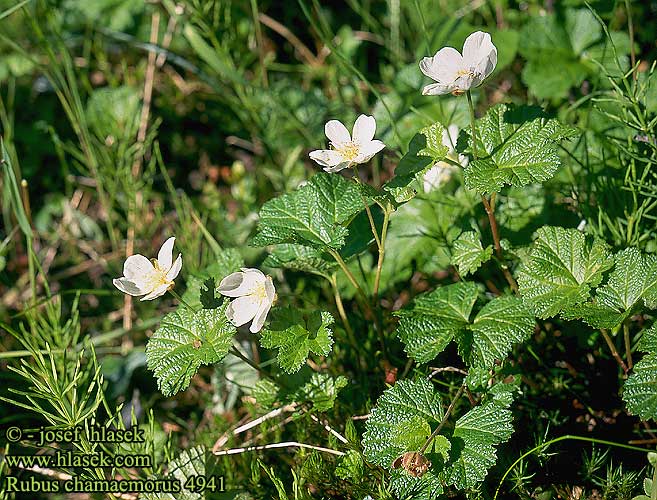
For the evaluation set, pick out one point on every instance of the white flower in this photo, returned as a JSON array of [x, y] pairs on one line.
[[255, 295], [150, 279], [457, 73], [346, 149], [442, 170]]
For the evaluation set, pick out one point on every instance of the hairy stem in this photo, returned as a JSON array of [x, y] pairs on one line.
[[444, 420], [613, 350], [628, 346], [382, 251], [368, 211], [350, 277], [341, 311], [473, 127], [489, 206]]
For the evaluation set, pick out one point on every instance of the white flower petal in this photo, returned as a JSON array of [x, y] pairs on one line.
[[240, 283], [257, 273], [242, 310], [336, 132], [338, 167], [364, 129], [175, 269], [368, 150], [465, 82], [326, 157], [450, 136], [270, 290], [137, 267], [127, 286], [480, 55], [165, 255], [157, 292], [435, 176], [476, 46], [443, 66], [260, 317], [437, 89]]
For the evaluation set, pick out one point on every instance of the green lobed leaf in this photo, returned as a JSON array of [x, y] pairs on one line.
[[640, 389], [633, 277], [516, 146], [410, 409], [561, 268], [312, 215], [648, 341], [405, 402], [427, 487], [473, 443], [411, 434], [321, 390], [468, 253], [438, 317], [583, 28], [299, 258], [546, 83], [434, 318], [502, 322], [186, 340], [305, 386], [434, 149], [296, 334], [556, 51]]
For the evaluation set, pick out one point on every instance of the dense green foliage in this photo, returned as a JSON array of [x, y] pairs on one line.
[[469, 313]]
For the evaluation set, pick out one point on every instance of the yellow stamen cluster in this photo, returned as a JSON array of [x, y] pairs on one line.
[[349, 150], [159, 277], [260, 292], [465, 72]]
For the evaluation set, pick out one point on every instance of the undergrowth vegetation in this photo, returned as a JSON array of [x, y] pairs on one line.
[[371, 249]]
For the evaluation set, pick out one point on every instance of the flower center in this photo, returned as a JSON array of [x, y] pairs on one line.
[[465, 72], [159, 277], [260, 292], [349, 150]]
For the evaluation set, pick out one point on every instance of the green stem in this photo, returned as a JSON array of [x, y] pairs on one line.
[[368, 211], [359, 291], [472, 125], [341, 311], [630, 28], [443, 421], [613, 350], [628, 345], [489, 206], [565, 438], [235, 352], [181, 300], [350, 276], [382, 251]]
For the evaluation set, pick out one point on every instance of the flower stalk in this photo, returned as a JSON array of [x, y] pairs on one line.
[[489, 206], [444, 420]]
